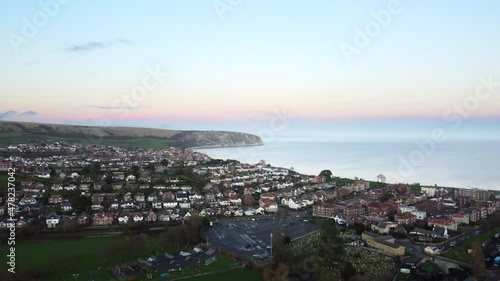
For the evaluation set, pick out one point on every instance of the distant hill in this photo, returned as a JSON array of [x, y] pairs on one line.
[[21, 132]]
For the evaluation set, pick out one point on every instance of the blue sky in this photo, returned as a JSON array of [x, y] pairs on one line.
[[235, 69]]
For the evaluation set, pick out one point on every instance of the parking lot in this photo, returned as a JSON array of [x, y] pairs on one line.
[[251, 238]]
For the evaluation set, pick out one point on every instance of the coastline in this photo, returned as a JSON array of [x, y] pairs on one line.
[[224, 146], [365, 160]]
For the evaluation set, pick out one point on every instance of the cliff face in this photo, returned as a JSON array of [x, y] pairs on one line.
[[215, 139], [175, 137]]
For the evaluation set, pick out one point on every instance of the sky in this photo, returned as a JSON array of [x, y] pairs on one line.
[[315, 68]]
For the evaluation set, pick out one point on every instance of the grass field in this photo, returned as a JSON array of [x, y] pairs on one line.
[[142, 142], [459, 253], [33, 256], [4, 177]]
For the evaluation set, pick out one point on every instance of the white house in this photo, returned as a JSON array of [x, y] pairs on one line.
[[238, 212], [259, 211], [170, 204], [66, 207], [138, 217], [249, 212], [70, 187], [185, 204], [235, 201], [52, 220], [224, 201]]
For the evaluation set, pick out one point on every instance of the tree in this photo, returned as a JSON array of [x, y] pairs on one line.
[[476, 261], [81, 203], [164, 239], [52, 172], [359, 228], [386, 197], [248, 200], [326, 173], [331, 246], [164, 162], [135, 171], [278, 274], [205, 222], [348, 271], [69, 226], [151, 167]]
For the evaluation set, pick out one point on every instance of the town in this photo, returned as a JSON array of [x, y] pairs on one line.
[[66, 188]]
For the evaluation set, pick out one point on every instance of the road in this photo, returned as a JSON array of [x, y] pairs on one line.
[[418, 249]]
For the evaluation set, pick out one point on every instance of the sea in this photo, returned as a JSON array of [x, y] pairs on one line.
[[453, 163]]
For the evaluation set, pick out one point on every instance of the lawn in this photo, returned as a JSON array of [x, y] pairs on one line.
[[93, 265], [4, 177], [33, 256], [459, 253], [146, 143], [430, 267]]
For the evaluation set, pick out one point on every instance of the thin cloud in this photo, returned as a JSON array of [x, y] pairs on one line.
[[7, 114], [29, 113], [96, 45], [113, 107]]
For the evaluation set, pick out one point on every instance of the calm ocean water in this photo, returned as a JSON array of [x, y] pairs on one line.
[[458, 163]]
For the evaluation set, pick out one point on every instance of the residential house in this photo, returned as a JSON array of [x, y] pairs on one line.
[[140, 197], [164, 216], [52, 220], [443, 222], [103, 219], [82, 219], [138, 217], [269, 205], [152, 197], [66, 207], [127, 197], [185, 204], [124, 218], [384, 227], [249, 212], [97, 198], [170, 204], [55, 199], [405, 218], [354, 211], [325, 210], [461, 218], [157, 204]]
